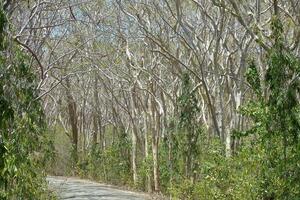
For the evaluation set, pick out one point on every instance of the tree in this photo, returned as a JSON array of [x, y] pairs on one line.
[[189, 126], [276, 119], [22, 125]]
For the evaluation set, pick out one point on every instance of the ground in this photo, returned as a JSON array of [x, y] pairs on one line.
[[78, 189]]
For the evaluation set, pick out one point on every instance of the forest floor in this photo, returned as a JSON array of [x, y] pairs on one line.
[[75, 189]]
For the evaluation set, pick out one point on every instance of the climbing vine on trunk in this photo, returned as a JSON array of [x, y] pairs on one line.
[[276, 119]]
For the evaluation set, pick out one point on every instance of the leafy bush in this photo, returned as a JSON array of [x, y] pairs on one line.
[[22, 141], [108, 164]]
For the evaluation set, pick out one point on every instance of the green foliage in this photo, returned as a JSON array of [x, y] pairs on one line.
[[22, 142], [187, 103], [253, 79], [186, 138], [108, 164], [144, 170], [60, 162], [276, 122], [22, 129], [3, 22], [220, 177]]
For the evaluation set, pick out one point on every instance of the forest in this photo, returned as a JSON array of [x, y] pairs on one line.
[[184, 99]]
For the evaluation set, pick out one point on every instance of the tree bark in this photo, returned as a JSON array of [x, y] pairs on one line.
[[155, 140], [95, 111], [73, 119]]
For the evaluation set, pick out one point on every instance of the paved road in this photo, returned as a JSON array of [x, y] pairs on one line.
[[77, 189]]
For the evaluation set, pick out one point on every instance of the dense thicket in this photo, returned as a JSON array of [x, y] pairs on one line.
[[22, 124]]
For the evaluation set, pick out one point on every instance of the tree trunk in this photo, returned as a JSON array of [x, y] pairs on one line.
[[155, 164], [73, 119], [134, 151], [95, 111], [134, 136], [148, 179], [228, 144], [155, 126]]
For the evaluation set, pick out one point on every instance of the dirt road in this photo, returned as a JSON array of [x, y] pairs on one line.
[[78, 189]]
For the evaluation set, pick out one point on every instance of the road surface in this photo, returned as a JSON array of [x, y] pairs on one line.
[[78, 189]]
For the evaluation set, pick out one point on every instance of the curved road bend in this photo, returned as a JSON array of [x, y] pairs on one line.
[[78, 189]]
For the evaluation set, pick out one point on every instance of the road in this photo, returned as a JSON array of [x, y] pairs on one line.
[[78, 189]]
